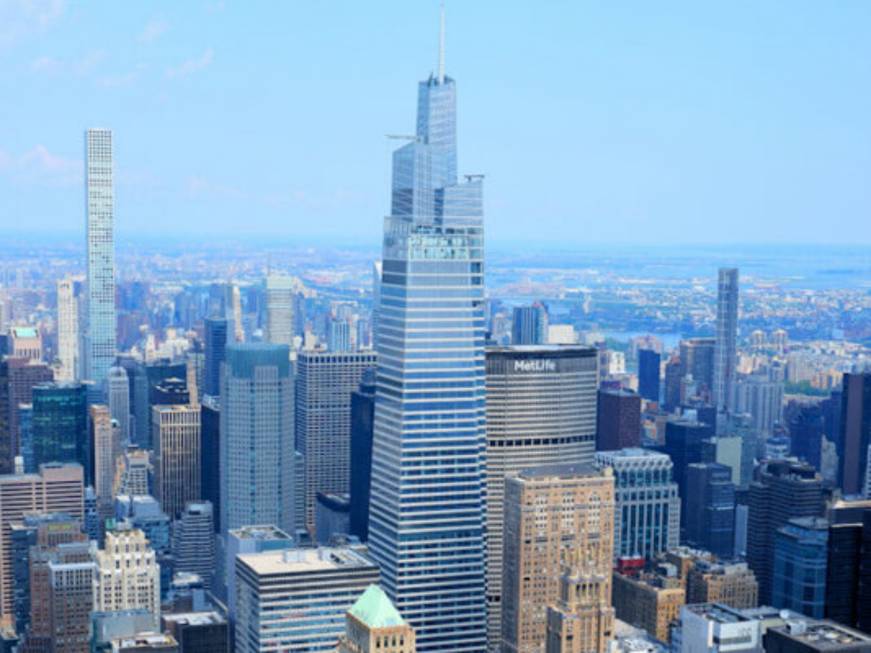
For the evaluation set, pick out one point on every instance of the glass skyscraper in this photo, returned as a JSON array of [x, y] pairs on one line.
[[725, 356], [100, 210], [426, 525]]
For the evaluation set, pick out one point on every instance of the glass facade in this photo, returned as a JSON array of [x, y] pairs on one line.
[[100, 209], [426, 525], [800, 562], [59, 426]]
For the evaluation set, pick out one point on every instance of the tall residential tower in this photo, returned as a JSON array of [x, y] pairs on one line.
[[426, 525], [725, 352], [100, 211]]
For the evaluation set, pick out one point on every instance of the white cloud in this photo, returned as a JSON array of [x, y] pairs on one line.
[[21, 18], [80, 66], [154, 29], [192, 66], [41, 167]]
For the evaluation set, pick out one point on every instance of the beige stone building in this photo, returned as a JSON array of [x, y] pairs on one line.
[[649, 600], [558, 548], [127, 576], [732, 584], [177, 456]]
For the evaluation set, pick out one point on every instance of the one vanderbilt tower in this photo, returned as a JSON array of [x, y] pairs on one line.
[[426, 526]]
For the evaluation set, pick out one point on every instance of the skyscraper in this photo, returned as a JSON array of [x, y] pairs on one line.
[[683, 444], [362, 416], [647, 514], [725, 350], [127, 575], [106, 446], [782, 490], [70, 300], [193, 541], [710, 503], [324, 383], [541, 410], [648, 374], [100, 209], [559, 535], [119, 401], [855, 433], [697, 360], [177, 456], [800, 558], [210, 456], [618, 421], [17, 380], [279, 310], [60, 426], [426, 524], [216, 346], [257, 450], [374, 624], [529, 325]]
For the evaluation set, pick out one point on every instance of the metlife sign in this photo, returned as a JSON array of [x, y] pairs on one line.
[[535, 365]]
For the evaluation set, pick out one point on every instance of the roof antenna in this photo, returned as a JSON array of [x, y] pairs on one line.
[[442, 44]]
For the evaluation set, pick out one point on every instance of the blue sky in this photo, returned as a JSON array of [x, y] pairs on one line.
[[594, 122]]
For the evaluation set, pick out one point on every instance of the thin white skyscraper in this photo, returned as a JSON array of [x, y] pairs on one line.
[[119, 401], [279, 310], [725, 348], [100, 211], [70, 291]]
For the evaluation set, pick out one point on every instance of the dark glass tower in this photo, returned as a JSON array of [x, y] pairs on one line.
[[362, 418], [855, 433], [60, 426], [710, 501], [426, 520], [216, 346], [648, 374]]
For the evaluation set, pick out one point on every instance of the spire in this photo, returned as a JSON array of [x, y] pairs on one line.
[[442, 43]]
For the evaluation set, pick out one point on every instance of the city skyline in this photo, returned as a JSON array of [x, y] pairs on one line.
[[713, 127]]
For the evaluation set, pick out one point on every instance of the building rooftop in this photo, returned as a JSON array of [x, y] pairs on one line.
[[823, 635], [260, 532], [304, 561], [561, 470], [632, 452], [196, 618], [717, 612], [24, 332], [376, 610], [541, 351]]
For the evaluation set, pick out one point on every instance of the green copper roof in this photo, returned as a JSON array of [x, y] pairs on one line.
[[375, 610]]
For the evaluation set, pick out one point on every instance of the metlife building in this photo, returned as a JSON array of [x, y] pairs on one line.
[[541, 410]]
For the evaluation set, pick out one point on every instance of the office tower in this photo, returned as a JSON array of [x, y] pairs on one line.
[[127, 576], [683, 444], [729, 583], [541, 406], [431, 387], [697, 361], [332, 516], [56, 488], [854, 436], [215, 329], [144, 513], [552, 514], [618, 424], [324, 383], [119, 401], [248, 539], [338, 335], [782, 490], [725, 351], [61, 591], [106, 443], [193, 544], [46, 530], [198, 632], [815, 636], [648, 374], [799, 570], [864, 590], [210, 456], [134, 473], [374, 624], [362, 418], [806, 429], [648, 600], [146, 380], [17, 379], [296, 599], [673, 376], [761, 397], [647, 514], [25, 342], [60, 425], [529, 325], [70, 305], [176, 456], [100, 209], [845, 560], [279, 310], [710, 504], [583, 619], [257, 437], [716, 628]]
